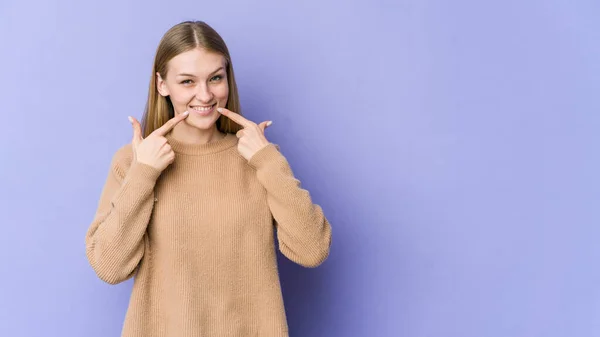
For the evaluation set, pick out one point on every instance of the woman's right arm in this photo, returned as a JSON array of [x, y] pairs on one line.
[[116, 239], [117, 236]]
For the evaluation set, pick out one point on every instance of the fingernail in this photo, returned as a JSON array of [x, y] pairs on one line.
[[185, 113], [269, 123], [219, 109], [130, 119]]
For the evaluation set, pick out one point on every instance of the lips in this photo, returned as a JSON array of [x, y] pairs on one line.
[[203, 110]]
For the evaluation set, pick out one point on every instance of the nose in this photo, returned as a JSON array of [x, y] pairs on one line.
[[203, 94]]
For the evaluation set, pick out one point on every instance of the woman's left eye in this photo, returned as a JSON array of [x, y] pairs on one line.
[[216, 78]]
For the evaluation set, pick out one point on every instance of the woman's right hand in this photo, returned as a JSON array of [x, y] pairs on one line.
[[154, 150]]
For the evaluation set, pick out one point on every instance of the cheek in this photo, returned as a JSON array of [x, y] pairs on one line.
[[181, 95], [222, 91]]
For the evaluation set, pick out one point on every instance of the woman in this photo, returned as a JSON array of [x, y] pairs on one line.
[[190, 206]]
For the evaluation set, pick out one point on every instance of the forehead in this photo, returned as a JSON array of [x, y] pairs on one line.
[[197, 61]]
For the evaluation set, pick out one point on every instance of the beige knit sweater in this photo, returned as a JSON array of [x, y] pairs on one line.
[[198, 239]]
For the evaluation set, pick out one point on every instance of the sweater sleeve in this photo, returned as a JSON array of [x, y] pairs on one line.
[[117, 236], [303, 232]]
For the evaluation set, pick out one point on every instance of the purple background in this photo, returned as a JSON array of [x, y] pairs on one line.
[[452, 145]]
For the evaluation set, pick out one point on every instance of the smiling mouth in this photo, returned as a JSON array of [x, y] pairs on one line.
[[203, 109]]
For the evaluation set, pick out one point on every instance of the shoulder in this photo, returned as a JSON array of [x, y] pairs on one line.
[[121, 160]]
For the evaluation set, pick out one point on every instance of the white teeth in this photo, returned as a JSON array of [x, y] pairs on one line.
[[198, 108]]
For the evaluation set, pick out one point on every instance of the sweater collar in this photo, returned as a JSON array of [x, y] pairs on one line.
[[227, 142]]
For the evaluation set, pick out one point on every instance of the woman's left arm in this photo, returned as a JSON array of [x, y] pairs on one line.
[[303, 231]]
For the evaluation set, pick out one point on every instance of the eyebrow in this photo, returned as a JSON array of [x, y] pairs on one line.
[[190, 75]]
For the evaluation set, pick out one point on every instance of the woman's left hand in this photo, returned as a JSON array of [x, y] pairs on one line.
[[251, 137]]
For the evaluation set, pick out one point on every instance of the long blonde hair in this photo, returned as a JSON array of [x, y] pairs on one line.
[[180, 38]]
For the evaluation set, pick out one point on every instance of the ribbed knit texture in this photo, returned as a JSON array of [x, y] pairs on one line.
[[198, 239]]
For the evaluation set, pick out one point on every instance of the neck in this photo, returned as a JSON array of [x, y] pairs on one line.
[[191, 135]]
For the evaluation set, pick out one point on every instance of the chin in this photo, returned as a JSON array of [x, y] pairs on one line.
[[201, 124]]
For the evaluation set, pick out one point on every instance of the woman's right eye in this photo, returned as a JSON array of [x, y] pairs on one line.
[[186, 81]]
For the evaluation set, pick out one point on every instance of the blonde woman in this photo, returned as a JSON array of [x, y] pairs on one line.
[[191, 205]]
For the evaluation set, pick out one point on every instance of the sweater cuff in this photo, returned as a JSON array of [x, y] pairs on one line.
[[143, 172], [264, 156]]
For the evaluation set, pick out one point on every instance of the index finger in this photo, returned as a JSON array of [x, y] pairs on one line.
[[235, 117], [170, 124]]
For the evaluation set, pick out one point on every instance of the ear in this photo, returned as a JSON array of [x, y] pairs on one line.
[[161, 86]]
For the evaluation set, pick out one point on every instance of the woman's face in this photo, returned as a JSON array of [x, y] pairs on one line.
[[196, 81]]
